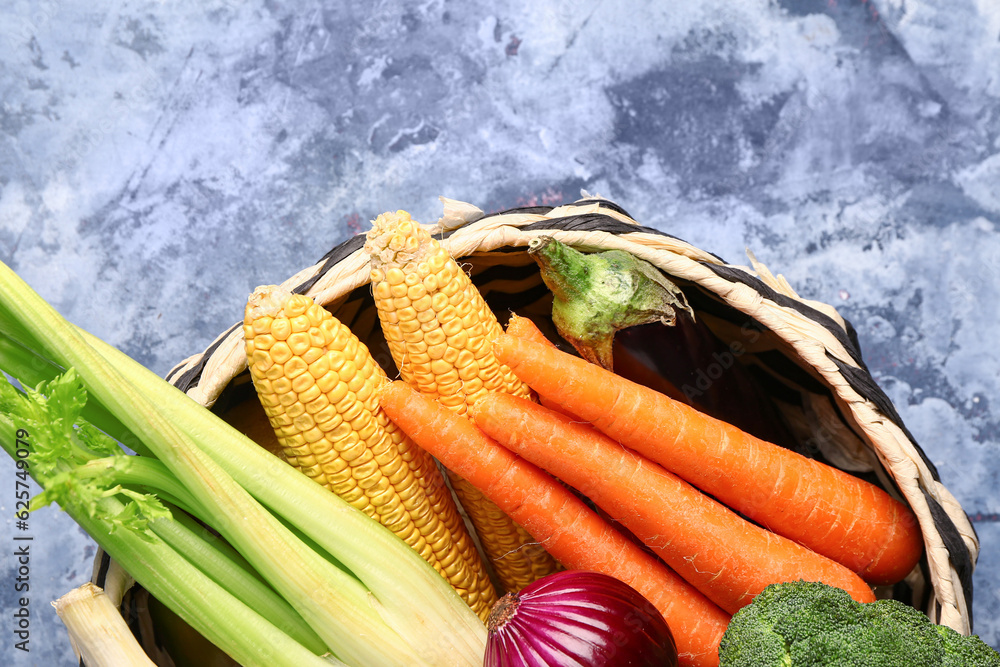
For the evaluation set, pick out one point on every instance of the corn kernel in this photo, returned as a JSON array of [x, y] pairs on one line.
[[299, 343], [316, 314], [281, 329], [281, 385], [312, 354], [394, 276], [304, 422], [303, 382], [295, 367], [310, 394], [325, 415], [263, 341], [314, 406], [261, 360], [280, 352], [261, 325]]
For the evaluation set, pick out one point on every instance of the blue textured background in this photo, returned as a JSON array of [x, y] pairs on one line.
[[159, 160]]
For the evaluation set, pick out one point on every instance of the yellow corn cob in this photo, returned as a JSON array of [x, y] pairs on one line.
[[318, 384], [440, 331]]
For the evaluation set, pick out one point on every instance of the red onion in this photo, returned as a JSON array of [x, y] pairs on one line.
[[578, 619]]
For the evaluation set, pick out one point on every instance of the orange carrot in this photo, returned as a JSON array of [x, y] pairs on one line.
[[831, 512], [724, 556], [571, 532], [522, 327], [627, 364]]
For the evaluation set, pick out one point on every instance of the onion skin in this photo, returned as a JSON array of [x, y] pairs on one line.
[[578, 619]]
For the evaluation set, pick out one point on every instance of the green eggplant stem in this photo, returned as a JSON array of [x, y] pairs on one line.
[[595, 295]]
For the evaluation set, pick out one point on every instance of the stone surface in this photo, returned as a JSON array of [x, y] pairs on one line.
[[159, 160]]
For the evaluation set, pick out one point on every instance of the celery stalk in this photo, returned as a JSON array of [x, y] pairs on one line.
[[146, 473], [405, 613], [223, 566], [207, 552], [203, 549], [222, 619], [97, 630], [330, 601], [30, 369]]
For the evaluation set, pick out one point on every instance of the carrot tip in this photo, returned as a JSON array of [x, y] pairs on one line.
[[501, 344], [477, 407], [386, 391]]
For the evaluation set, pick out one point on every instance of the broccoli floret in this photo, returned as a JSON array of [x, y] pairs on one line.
[[808, 624], [961, 650]]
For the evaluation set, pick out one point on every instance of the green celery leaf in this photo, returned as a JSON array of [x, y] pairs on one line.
[[48, 413], [139, 512], [74, 462], [70, 490], [84, 487], [62, 397], [97, 441]]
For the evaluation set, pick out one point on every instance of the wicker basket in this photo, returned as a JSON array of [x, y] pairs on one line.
[[805, 353]]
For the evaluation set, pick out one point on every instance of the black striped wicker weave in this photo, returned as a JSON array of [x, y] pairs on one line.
[[804, 353]]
